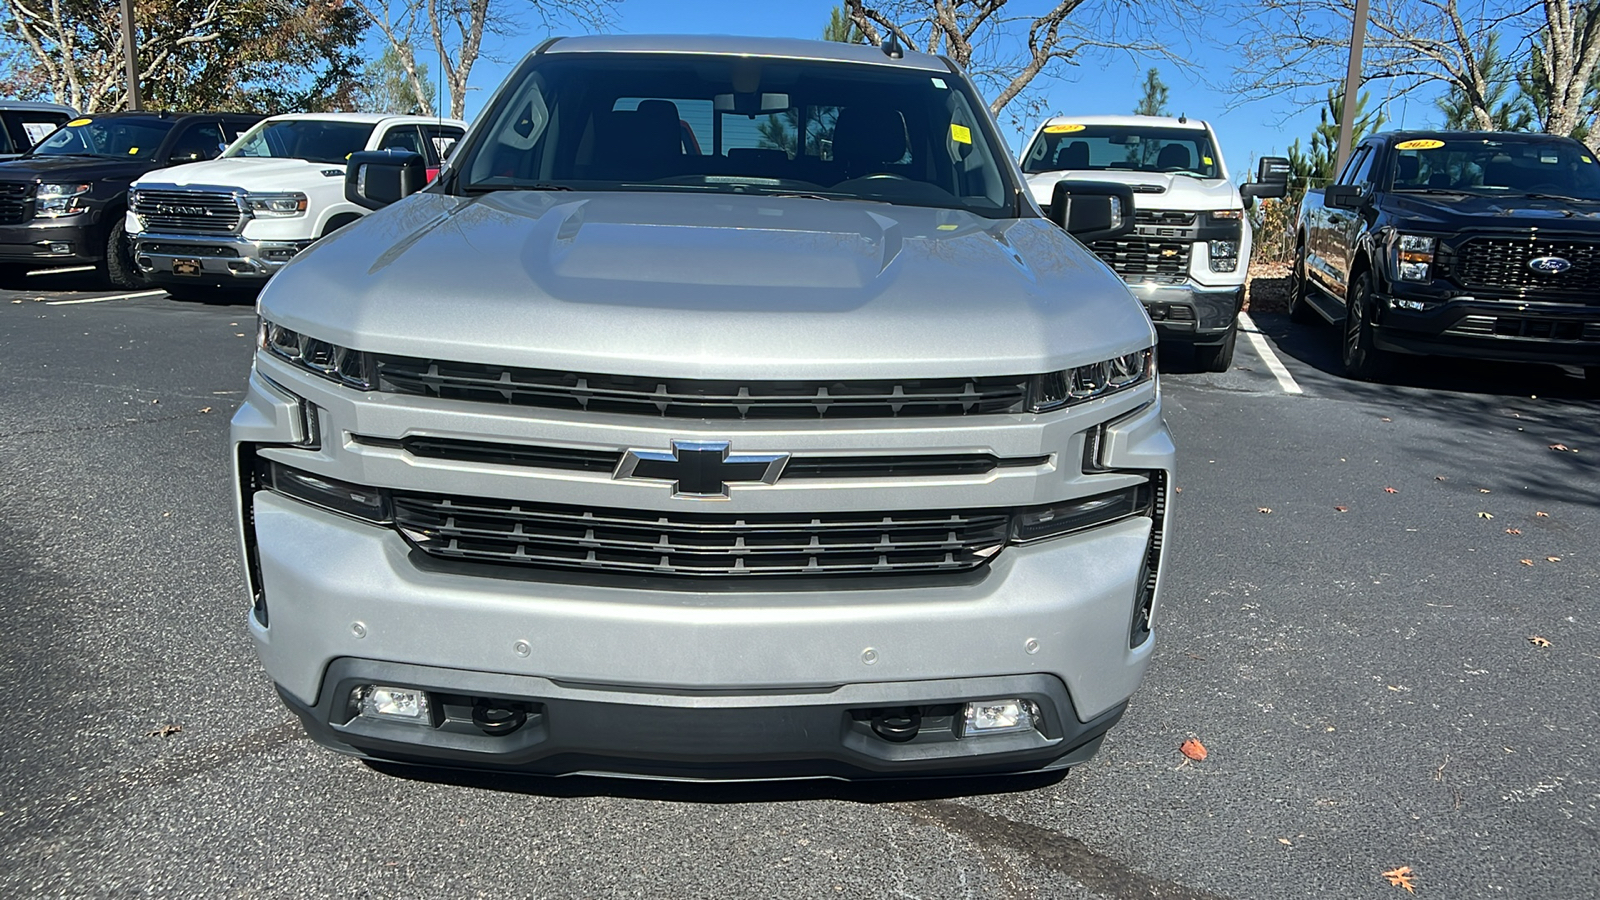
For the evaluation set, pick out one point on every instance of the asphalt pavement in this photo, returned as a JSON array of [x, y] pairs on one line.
[[1359, 574]]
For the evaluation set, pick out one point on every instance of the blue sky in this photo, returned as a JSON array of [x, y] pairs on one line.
[[1110, 85]]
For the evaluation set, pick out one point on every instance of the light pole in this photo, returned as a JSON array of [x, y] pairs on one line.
[[131, 54], [1352, 87]]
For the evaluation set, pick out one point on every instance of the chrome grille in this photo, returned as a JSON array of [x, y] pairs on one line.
[[700, 399], [1135, 257], [1500, 266], [16, 202], [187, 212], [637, 542]]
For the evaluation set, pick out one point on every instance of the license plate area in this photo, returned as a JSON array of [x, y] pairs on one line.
[[186, 267]]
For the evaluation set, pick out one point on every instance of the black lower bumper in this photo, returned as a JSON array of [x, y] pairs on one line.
[[1561, 334], [1187, 314], [42, 243], [587, 729]]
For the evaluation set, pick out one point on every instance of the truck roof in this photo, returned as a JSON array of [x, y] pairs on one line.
[[1508, 136], [35, 106], [1158, 121], [364, 118], [730, 45]]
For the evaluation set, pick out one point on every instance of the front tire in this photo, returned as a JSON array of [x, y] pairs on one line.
[[1362, 359], [1300, 311], [1217, 357], [119, 267]]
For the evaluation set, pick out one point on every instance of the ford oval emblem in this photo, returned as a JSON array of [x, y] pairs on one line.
[[1550, 264]]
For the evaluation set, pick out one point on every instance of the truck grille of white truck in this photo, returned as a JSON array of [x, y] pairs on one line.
[[701, 399], [1139, 259], [699, 544], [187, 212]]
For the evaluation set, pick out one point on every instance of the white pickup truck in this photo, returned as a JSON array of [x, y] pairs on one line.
[[235, 220], [1188, 257]]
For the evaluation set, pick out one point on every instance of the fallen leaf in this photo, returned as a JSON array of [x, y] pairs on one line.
[[1513, 531], [1440, 478], [1341, 509], [1538, 641], [1562, 448], [1526, 562], [1177, 490], [157, 400], [1483, 490], [1484, 515], [1386, 419], [1285, 842], [1193, 749], [1264, 509], [1390, 490], [1401, 877], [1541, 515], [165, 731], [1552, 559], [205, 409]]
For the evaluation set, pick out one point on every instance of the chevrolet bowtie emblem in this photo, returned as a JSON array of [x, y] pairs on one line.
[[701, 470], [1169, 253]]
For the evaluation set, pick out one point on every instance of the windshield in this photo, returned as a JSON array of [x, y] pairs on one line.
[[741, 125], [1480, 166], [1134, 148], [132, 138], [317, 140]]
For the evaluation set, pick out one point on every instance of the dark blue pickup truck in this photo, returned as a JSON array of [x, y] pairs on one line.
[[1474, 244]]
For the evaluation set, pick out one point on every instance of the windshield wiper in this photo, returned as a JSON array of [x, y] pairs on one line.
[[1562, 197]]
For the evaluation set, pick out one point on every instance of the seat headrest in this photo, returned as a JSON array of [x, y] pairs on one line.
[[1173, 156], [1074, 155], [869, 136]]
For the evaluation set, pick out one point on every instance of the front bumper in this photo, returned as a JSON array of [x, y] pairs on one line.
[[1506, 330], [52, 242], [1190, 313], [222, 258]]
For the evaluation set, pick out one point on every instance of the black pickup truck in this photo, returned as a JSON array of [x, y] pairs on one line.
[[62, 204], [1474, 244]]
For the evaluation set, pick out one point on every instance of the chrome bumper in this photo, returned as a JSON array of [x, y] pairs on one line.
[[224, 256]]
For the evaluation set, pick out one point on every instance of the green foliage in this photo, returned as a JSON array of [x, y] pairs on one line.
[[1314, 167], [1513, 113], [385, 88], [840, 29], [1536, 94], [1154, 101]]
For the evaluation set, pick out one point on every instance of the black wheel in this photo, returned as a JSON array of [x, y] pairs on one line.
[[13, 275], [1300, 311], [118, 267], [1363, 360], [1217, 357]]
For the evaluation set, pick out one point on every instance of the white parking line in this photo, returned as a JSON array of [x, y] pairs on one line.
[[1258, 342], [104, 299]]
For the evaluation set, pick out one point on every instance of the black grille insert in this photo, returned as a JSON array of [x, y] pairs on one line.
[[1135, 257], [1500, 266], [700, 399], [16, 202], [699, 544]]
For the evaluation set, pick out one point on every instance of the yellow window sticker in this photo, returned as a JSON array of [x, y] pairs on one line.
[[961, 134], [1419, 144], [1206, 159], [948, 227], [76, 122], [132, 150], [1063, 129], [1586, 159]]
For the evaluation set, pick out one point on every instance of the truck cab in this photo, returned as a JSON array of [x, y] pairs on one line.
[[1474, 244], [232, 222], [1188, 258]]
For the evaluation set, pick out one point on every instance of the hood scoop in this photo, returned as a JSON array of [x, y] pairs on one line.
[[1149, 189]]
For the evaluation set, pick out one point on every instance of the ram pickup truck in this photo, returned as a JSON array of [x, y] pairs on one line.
[[1482, 245], [234, 221], [806, 447], [62, 203], [1189, 256]]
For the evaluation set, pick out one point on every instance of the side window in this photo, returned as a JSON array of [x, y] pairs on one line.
[[1363, 174], [440, 138], [202, 140], [403, 137], [29, 128], [232, 130], [1357, 157]]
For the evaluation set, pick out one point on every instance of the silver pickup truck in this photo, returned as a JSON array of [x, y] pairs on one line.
[[726, 408]]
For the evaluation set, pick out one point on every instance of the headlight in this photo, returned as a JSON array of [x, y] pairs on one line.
[[1224, 256], [1414, 257], [1059, 389], [366, 503], [1227, 215], [276, 206], [1057, 519], [56, 200], [348, 367]]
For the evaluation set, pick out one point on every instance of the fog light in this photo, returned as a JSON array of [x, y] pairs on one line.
[[60, 247], [1413, 305], [999, 717], [394, 703]]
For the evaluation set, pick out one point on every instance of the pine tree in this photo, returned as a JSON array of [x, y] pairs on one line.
[[1505, 114], [1315, 168], [1154, 102], [841, 30]]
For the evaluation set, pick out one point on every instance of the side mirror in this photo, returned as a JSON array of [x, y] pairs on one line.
[[376, 178], [1092, 210], [1272, 180], [1343, 196]]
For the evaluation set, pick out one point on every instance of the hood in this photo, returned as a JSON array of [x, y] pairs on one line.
[[1180, 192], [71, 168], [1464, 212], [250, 173], [709, 286]]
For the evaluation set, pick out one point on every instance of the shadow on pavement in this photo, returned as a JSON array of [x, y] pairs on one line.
[[898, 791]]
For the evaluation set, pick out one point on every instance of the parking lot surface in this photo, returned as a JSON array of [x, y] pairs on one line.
[[1359, 576]]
